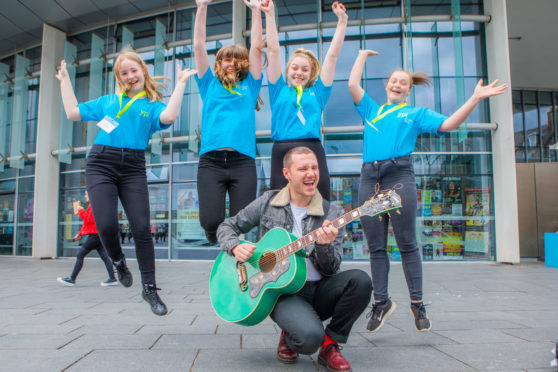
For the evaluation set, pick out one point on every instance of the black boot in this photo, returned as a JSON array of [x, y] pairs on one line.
[[124, 274], [149, 294]]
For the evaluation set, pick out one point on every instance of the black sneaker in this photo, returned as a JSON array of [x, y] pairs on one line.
[[149, 294], [66, 281], [124, 274], [379, 313], [422, 323]]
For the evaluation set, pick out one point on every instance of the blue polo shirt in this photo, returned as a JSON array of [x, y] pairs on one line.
[[228, 120], [135, 126], [285, 122], [396, 133]]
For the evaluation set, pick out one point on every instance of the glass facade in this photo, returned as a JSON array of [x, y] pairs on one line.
[[455, 217], [535, 124]]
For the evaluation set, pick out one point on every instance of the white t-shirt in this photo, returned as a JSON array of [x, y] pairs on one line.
[[298, 215]]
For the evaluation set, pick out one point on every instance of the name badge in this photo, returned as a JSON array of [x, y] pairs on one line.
[[301, 117], [108, 124]]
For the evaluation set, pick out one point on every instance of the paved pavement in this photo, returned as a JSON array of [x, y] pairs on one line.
[[486, 317]]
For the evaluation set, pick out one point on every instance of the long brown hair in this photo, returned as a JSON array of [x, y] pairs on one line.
[[315, 66], [241, 64], [152, 87]]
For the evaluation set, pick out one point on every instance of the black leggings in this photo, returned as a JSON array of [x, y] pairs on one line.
[[280, 148], [220, 172], [113, 173], [92, 243]]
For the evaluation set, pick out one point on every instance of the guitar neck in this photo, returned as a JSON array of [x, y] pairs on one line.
[[311, 237]]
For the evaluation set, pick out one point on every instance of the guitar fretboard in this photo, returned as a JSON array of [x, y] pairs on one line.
[[311, 237]]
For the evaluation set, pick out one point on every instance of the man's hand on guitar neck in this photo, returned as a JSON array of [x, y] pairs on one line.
[[327, 233], [243, 251]]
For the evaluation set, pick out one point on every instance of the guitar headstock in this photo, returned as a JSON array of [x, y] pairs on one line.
[[383, 202]]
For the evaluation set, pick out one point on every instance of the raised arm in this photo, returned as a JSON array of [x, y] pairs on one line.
[[170, 113], [328, 67], [273, 48], [200, 53], [481, 92], [356, 75], [255, 56], [69, 99]]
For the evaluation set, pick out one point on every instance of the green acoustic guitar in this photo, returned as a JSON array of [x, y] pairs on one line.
[[245, 293]]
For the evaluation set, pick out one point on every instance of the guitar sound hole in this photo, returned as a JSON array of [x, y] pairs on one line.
[[267, 262]]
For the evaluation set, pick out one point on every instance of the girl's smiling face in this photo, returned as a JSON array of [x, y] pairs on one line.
[[132, 75], [299, 71], [398, 87]]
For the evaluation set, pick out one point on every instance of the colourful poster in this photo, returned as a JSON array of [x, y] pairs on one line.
[[477, 205]]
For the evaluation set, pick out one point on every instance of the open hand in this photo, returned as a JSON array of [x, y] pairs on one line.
[[327, 233], [267, 6], [484, 91], [183, 75], [243, 251], [62, 71], [340, 11]]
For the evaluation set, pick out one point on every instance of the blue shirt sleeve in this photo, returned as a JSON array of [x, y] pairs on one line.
[[367, 107], [255, 85], [322, 92], [204, 81], [430, 121], [157, 110], [92, 110], [275, 89]]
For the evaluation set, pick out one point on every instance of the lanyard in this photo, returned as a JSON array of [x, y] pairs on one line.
[[229, 88], [298, 95], [123, 110], [380, 116]]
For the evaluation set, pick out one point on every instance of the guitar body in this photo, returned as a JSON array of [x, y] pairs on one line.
[[253, 305]]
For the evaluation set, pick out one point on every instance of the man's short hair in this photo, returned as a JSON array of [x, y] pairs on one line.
[[287, 159]]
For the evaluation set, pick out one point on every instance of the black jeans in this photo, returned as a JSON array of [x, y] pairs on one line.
[[220, 172], [280, 148], [341, 297], [389, 173], [92, 243], [113, 173]]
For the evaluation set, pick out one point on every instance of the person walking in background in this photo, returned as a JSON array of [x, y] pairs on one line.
[[390, 135], [115, 167], [297, 104], [92, 243], [228, 126]]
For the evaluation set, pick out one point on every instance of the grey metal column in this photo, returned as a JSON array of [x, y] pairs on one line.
[[503, 150], [47, 168], [238, 22]]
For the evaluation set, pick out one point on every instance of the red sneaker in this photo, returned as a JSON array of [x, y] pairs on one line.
[[331, 357], [284, 354]]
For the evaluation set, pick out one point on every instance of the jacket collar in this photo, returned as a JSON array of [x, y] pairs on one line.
[[283, 198]]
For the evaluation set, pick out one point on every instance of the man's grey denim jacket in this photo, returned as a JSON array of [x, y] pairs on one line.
[[272, 209]]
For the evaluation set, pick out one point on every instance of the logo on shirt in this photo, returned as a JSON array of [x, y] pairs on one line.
[[144, 114], [404, 116]]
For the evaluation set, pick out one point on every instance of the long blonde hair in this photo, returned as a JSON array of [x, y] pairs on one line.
[[152, 87], [315, 66]]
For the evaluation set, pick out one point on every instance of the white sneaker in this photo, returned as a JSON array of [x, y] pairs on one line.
[[109, 282]]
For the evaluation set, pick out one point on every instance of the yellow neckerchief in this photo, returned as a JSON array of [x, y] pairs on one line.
[[380, 116], [299, 89], [229, 88], [123, 110]]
